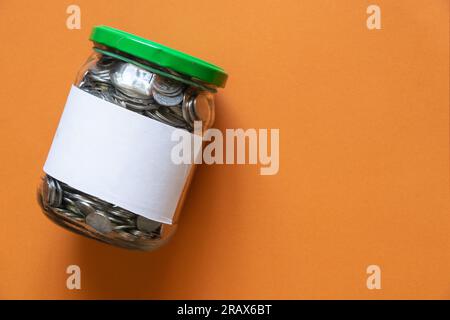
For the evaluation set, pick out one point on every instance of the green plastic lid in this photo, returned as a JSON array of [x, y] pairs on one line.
[[159, 54]]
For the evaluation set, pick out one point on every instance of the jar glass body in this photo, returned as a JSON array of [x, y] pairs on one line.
[[152, 91]]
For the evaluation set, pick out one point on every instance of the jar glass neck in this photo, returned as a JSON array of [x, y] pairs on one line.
[[153, 68]]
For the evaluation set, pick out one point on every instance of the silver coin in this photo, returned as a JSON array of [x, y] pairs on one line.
[[140, 107], [99, 222], [84, 207], [67, 214], [45, 191], [58, 194], [185, 106], [176, 110], [74, 210], [203, 110], [167, 101], [127, 235], [123, 227], [51, 191], [61, 211], [116, 220], [100, 77], [68, 202], [131, 79], [171, 93], [190, 108], [146, 225], [170, 118], [80, 197], [121, 213], [166, 85], [139, 233], [122, 95]]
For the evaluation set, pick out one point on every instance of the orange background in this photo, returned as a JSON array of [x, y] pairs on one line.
[[364, 152]]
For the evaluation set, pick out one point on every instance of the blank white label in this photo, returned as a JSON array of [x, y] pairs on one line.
[[118, 156]]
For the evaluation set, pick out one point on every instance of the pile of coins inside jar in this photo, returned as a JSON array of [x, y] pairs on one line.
[[102, 220], [152, 95], [161, 98]]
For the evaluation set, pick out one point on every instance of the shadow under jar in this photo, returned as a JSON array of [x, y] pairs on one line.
[[110, 174]]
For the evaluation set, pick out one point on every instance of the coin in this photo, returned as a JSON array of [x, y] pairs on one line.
[[101, 76], [51, 191], [78, 196], [166, 86], [121, 213], [45, 191], [146, 225], [58, 194], [203, 109], [136, 82], [166, 100], [169, 119], [127, 235], [190, 108], [139, 233], [185, 108], [84, 207], [99, 222]]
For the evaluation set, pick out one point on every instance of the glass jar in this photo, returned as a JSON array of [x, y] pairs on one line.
[[110, 173]]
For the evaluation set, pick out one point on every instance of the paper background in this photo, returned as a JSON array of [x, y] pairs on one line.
[[364, 151]]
